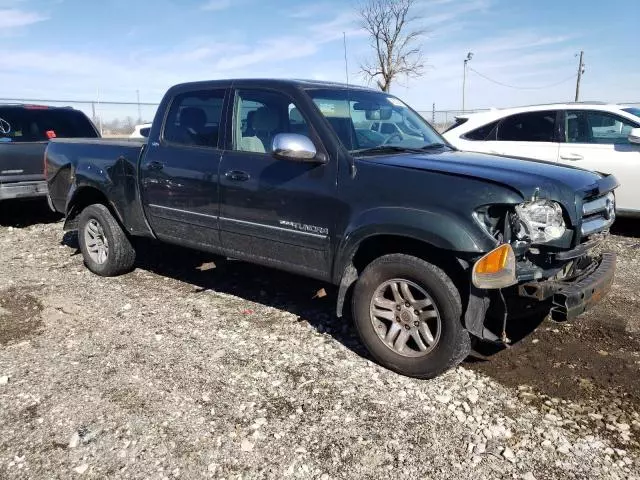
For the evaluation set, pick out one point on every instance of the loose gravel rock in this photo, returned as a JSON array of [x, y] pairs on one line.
[[238, 372]]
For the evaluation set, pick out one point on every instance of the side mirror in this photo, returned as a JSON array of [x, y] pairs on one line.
[[295, 147], [634, 136], [145, 132]]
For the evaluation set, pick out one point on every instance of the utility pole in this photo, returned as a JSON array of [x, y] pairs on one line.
[[580, 72], [464, 77], [139, 110], [99, 116]]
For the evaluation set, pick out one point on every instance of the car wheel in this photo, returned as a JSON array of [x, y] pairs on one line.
[[106, 249], [408, 314]]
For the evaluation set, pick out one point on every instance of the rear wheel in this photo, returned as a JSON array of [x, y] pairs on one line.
[[106, 249], [408, 314]]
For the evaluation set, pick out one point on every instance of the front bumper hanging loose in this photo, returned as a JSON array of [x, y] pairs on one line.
[[573, 297]]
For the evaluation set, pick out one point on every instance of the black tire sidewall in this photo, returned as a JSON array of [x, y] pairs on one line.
[[101, 214], [454, 340]]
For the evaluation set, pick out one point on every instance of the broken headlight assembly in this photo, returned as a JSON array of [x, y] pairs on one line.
[[539, 221]]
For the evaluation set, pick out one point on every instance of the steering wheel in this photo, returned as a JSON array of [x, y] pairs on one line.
[[391, 137], [5, 127]]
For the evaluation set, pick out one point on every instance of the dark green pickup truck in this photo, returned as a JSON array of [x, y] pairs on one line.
[[290, 174]]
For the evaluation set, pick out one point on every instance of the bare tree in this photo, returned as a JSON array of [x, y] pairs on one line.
[[394, 39]]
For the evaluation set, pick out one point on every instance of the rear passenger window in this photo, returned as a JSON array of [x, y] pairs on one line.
[[485, 132], [39, 124], [583, 126], [194, 118], [458, 121], [528, 127]]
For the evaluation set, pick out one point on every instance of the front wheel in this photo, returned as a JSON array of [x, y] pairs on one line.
[[105, 247], [408, 314]]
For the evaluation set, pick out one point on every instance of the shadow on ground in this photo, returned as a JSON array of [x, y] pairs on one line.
[[626, 227], [25, 213], [582, 359], [267, 286]]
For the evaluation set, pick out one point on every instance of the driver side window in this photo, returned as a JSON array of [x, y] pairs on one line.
[[260, 115]]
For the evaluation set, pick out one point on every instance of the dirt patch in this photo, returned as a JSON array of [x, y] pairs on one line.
[[582, 360], [176, 371], [19, 315], [590, 366]]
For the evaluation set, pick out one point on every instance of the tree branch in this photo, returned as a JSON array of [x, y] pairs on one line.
[[394, 40]]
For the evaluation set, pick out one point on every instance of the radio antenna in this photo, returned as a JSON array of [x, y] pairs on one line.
[[346, 63], [346, 73]]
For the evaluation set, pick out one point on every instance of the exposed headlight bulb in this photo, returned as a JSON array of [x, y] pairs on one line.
[[541, 221]]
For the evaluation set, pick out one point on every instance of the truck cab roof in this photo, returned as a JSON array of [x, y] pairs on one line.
[[270, 82]]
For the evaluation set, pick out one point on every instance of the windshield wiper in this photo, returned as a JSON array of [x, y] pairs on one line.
[[399, 149], [433, 146], [385, 149]]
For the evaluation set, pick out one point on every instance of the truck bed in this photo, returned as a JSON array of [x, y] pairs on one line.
[[111, 163]]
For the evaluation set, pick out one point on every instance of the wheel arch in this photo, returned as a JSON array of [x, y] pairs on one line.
[[376, 245], [80, 198]]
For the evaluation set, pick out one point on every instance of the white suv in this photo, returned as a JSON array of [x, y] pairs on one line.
[[595, 136]]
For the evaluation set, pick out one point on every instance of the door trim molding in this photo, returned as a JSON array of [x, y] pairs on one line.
[[273, 228], [242, 222], [190, 212]]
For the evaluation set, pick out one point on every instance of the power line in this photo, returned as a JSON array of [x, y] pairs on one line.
[[522, 88]]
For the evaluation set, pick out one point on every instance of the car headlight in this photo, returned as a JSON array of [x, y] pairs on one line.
[[541, 221]]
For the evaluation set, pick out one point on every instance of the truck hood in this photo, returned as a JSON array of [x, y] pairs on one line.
[[554, 181]]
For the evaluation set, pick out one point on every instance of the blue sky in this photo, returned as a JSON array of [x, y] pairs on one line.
[[71, 49]]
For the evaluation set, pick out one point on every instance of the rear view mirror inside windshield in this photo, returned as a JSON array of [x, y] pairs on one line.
[[374, 111]]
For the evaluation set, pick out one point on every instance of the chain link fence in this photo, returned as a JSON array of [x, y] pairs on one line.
[[115, 119], [443, 119]]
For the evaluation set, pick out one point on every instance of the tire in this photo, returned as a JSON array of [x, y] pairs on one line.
[[96, 227], [426, 283]]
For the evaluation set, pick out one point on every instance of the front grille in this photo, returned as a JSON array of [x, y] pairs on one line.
[[598, 214]]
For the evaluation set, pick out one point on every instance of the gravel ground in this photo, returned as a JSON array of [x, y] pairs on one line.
[[234, 371]]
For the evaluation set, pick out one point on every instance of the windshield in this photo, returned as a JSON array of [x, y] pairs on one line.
[[633, 111], [367, 120]]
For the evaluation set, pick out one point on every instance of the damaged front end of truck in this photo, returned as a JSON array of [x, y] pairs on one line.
[[548, 259]]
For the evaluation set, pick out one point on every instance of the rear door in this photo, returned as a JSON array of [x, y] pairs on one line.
[[274, 211], [531, 134], [24, 133], [598, 140], [179, 173]]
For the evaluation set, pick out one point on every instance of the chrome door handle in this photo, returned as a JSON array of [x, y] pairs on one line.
[[237, 175], [153, 165], [573, 157]]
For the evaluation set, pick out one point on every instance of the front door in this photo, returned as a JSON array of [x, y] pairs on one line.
[[529, 134], [179, 173], [274, 211], [599, 141]]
